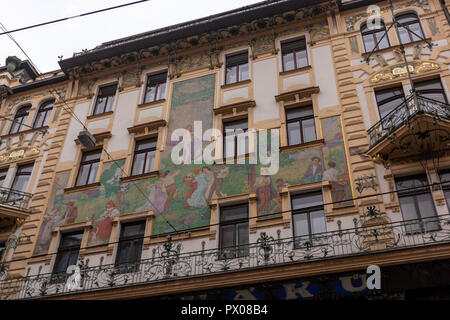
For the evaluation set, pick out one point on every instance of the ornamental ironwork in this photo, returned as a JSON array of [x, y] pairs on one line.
[[15, 199], [168, 262], [403, 114]]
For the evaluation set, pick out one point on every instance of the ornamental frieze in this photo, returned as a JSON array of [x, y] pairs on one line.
[[60, 94], [399, 70], [18, 154]]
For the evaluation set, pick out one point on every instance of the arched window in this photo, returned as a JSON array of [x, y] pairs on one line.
[[409, 28], [19, 119], [43, 114], [371, 36]]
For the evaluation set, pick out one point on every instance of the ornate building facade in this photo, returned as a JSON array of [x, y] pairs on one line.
[[95, 207]]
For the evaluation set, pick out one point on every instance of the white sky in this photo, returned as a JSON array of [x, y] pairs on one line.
[[44, 44]]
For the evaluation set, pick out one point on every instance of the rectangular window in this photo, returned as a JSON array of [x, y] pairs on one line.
[[69, 248], [389, 99], [308, 217], [236, 69], [144, 157], [294, 54], [444, 176], [3, 173], [431, 89], [2, 250], [300, 125], [105, 99], [130, 246], [416, 204], [22, 177], [156, 87], [234, 232], [235, 138], [87, 173]]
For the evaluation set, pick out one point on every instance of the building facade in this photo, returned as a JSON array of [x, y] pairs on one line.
[[353, 171]]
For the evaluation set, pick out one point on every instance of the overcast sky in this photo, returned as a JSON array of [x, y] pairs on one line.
[[44, 44]]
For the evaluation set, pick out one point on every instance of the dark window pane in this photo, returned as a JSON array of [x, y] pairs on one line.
[[307, 200], [299, 113], [301, 224], [233, 213], [231, 74], [309, 130], [3, 174], [243, 72], [138, 165], [161, 91], [318, 224], [227, 236]]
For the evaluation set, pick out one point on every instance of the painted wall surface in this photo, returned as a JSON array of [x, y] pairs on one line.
[[324, 74], [181, 193], [266, 88]]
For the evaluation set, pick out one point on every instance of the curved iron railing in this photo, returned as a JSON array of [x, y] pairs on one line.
[[413, 105], [169, 263], [15, 199]]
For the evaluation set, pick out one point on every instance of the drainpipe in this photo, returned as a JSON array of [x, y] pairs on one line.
[[447, 15]]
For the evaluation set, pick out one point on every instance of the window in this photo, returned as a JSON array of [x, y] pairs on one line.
[[144, 157], [372, 36], [130, 246], [69, 248], [105, 99], [235, 140], [294, 54], [20, 119], [308, 218], [300, 125], [409, 28], [234, 232], [431, 89], [87, 173], [389, 99], [156, 87], [2, 250], [3, 173], [236, 69], [416, 203], [22, 177], [43, 114], [444, 176]]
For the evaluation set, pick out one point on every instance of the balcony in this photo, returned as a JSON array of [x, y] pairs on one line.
[[417, 126], [168, 262], [13, 205]]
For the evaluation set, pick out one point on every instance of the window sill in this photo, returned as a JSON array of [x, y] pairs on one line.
[[140, 176], [302, 145], [151, 103], [9, 135], [305, 68], [82, 188], [235, 84], [100, 115]]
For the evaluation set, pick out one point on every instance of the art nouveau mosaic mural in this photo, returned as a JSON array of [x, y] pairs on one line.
[[181, 193]]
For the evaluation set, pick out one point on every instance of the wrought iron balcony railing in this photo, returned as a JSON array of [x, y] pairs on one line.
[[413, 105], [15, 199], [169, 263]]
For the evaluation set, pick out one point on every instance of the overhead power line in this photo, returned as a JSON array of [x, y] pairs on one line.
[[73, 17]]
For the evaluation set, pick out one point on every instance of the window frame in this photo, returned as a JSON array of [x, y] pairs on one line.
[[306, 211], [62, 276], [157, 84], [239, 250], [2, 250], [130, 266], [237, 65], [43, 108], [148, 150], [300, 120], [235, 140], [382, 102], [3, 178], [368, 32], [407, 24], [441, 90], [414, 194], [94, 109], [25, 109], [89, 162], [294, 51]]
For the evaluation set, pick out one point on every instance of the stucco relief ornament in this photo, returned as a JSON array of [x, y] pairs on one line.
[[17, 154], [400, 71]]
